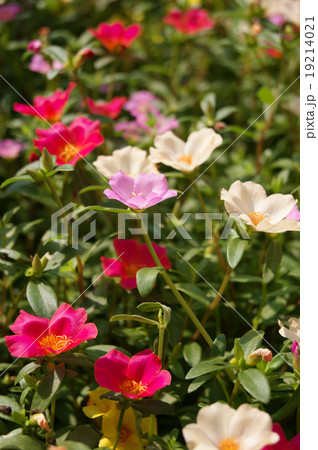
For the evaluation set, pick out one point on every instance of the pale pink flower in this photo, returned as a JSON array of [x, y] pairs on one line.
[[10, 149], [8, 12]]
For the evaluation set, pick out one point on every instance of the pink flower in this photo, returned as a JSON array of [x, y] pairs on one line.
[[141, 103], [116, 36], [10, 149], [47, 108], [277, 19], [34, 157], [139, 376], [141, 192], [273, 52], [134, 256], [111, 109], [71, 143], [283, 444], [189, 22], [39, 64], [34, 46], [8, 12], [37, 336], [294, 214]]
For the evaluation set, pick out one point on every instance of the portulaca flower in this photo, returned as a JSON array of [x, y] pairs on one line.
[[220, 427], [130, 160], [249, 202], [293, 332], [185, 156], [288, 9]]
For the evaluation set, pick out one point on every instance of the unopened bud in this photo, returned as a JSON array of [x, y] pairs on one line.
[[255, 357], [36, 265], [47, 160], [44, 31], [219, 125], [81, 56], [36, 175], [256, 28], [40, 420]]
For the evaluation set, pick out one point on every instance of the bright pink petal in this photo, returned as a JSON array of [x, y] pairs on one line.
[[128, 283], [294, 444], [144, 366], [130, 34], [162, 380], [23, 347], [89, 331], [110, 370], [29, 325], [282, 444], [112, 268]]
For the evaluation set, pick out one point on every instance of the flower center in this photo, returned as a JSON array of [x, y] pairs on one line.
[[185, 158], [124, 434], [131, 387], [56, 343], [256, 217], [229, 444], [68, 153]]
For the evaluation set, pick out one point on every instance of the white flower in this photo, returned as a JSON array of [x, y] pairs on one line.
[[293, 332], [185, 156], [290, 9], [249, 202], [131, 160], [220, 427]]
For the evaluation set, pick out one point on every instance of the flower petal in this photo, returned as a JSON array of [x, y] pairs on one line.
[[111, 370]]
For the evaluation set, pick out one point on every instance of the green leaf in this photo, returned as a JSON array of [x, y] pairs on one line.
[[102, 208], [273, 258], [224, 112], [265, 95], [84, 434], [14, 405], [209, 366], [275, 363], [238, 350], [250, 341], [288, 407], [29, 368], [192, 353], [151, 406], [146, 279], [256, 384], [74, 359], [193, 292], [14, 180], [219, 346], [56, 52], [48, 388], [235, 251], [134, 317], [92, 188], [73, 445], [42, 298], [96, 351], [198, 382], [176, 368], [21, 442], [208, 105]]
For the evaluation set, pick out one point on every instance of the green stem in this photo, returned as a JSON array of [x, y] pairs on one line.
[[14, 306], [261, 306], [235, 391], [120, 422], [174, 290], [53, 405], [141, 447], [80, 266], [81, 87]]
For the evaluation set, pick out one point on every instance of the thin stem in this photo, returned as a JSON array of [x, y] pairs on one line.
[[161, 342], [53, 405], [120, 422], [215, 302], [14, 306], [137, 420], [175, 291], [111, 85], [261, 306], [235, 391], [81, 87], [3, 295]]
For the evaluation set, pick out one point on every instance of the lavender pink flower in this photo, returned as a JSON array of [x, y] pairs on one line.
[[132, 257], [47, 108], [136, 377], [141, 192], [36, 336], [39, 64], [8, 12], [10, 149]]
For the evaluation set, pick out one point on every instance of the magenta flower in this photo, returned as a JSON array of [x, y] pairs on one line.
[[189, 22], [10, 149], [139, 376], [132, 257], [34, 46], [115, 36], [47, 108], [37, 336], [39, 64], [141, 192], [111, 109], [294, 214], [283, 444], [71, 143], [8, 12]]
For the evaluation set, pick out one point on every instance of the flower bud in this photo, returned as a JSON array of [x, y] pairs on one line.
[[81, 56], [47, 160], [255, 357], [35, 174], [36, 265], [40, 420]]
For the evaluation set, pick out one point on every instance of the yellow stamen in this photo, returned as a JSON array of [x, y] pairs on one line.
[[186, 158], [131, 387], [229, 444], [256, 217], [54, 342], [68, 153]]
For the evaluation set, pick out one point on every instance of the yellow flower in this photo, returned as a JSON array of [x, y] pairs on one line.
[[97, 406], [128, 439]]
